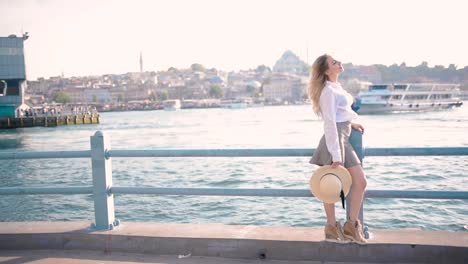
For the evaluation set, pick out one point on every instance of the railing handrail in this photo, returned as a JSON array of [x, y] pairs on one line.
[[402, 194], [46, 190], [102, 189], [231, 152], [58, 154]]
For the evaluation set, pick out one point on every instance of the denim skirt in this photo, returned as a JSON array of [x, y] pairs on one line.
[[348, 154]]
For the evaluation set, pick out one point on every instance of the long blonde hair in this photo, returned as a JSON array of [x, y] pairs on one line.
[[317, 81]]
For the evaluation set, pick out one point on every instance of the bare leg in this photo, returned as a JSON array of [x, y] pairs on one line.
[[330, 212], [357, 191]]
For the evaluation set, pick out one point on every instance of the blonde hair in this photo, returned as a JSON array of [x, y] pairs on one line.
[[317, 81]]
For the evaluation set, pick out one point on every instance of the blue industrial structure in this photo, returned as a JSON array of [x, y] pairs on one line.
[[12, 75]]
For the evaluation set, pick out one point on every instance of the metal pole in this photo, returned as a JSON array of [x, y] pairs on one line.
[[102, 182]]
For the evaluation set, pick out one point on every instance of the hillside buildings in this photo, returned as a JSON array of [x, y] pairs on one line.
[[285, 83]]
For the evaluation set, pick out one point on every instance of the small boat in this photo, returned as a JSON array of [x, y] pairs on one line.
[[171, 105], [235, 103], [387, 98]]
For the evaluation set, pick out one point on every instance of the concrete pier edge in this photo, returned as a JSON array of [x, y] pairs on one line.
[[237, 241]]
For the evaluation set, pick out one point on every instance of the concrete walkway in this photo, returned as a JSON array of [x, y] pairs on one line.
[[206, 242], [88, 257]]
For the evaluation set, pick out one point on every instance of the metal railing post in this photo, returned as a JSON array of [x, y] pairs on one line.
[[356, 141], [102, 182]]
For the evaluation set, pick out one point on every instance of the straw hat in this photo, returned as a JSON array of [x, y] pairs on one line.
[[330, 185]]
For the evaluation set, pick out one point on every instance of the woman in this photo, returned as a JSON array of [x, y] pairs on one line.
[[333, 104]]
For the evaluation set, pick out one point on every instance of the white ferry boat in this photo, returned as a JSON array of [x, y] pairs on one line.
[[383, 98], [171, 105], [464, 95]]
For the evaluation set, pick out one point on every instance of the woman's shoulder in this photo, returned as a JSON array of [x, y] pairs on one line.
[[331, 86], [327, 89], [327, 93]]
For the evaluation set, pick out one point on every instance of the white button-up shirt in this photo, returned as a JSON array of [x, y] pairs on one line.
[[335, 106]]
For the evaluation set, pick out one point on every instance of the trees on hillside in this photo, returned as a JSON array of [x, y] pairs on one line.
[[62, 97], [403, 73], [197, 67], [216, 91]]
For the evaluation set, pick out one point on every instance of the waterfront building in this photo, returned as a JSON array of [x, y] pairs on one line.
[[12, 75], [285, 87], [242, 84], [35, 99], [137, 93], [37, 87], [118, 94], [77, 93], [101, 95], [193, 90]]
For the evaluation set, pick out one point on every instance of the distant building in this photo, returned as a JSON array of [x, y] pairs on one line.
[[97, 95], [285, 87], [291, 63], [37, 87], [77, 94], [12, 75], [35, 99], [137, 93], [193, 90]]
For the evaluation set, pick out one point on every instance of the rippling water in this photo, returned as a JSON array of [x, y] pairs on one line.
[[265, 127]]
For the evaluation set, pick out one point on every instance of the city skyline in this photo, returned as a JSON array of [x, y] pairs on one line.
[[106, 37]]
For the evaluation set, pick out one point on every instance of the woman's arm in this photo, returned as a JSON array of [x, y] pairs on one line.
[[358, 127], [328, 110]]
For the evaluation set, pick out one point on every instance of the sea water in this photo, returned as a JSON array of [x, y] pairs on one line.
[[261, 127]]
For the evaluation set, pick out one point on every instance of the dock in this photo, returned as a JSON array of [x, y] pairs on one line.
[[243, 243], [48, 121]]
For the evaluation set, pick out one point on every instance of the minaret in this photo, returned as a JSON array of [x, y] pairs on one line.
[[141, 62]]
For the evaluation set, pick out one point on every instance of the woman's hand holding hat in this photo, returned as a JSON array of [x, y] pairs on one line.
[[336, 164], [330, 185]]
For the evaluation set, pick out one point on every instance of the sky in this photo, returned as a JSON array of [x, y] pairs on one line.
[[95, 37]]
